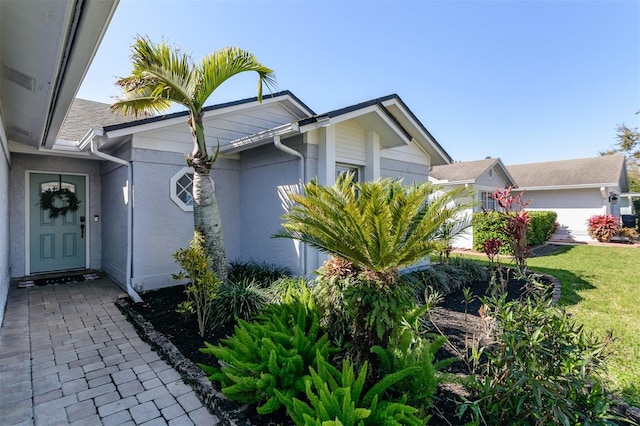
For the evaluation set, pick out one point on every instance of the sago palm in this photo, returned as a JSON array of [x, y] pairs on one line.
[[379, 226], [161, 76]]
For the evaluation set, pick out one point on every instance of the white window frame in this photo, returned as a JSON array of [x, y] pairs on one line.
[[349, 168], [173, 190], [487, 202]]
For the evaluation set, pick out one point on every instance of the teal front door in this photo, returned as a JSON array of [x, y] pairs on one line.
[[57, 243]]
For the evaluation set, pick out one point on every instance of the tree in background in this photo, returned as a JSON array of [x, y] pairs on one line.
[[162, 76], [628, 143]]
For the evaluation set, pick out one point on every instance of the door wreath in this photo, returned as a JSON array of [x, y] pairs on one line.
[[59, 202]]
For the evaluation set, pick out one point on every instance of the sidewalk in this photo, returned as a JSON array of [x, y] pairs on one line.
[[68, 356]]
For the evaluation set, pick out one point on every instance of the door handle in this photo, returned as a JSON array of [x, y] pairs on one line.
[[82, 230]]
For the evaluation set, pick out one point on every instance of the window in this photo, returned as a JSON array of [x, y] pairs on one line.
[[488, 202], [54, 186], [346, 168], [182, 189]]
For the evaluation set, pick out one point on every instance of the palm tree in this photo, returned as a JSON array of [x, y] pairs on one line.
[[378, 226], [161, 76]]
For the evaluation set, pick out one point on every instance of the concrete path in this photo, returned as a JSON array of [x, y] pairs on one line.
[[68, 356]]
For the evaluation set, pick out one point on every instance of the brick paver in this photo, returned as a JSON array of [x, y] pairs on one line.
[[69, 357]]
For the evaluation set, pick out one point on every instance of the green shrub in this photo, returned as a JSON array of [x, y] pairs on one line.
[[447, 277], [487, 225], [263, 273], [239, 300], [373, 310], [544, 369], [407, 348], [285, 290], [431, 278], [335, 398], [272, 353], [470, 270], [541, 227], [328, 294], [203, 284]]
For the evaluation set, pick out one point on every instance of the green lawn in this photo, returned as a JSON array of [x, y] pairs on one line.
[[601, 289]]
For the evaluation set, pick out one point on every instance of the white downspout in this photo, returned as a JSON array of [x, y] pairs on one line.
[[278, 144], [94, 150]]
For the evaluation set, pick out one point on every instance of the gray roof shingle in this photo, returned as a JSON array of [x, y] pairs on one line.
[[463, 171], [84, 115], [595, 171]]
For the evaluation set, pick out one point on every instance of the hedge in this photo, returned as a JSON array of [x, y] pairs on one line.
[[488, 225]]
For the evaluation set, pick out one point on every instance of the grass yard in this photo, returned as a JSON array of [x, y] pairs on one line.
[[601, 289]]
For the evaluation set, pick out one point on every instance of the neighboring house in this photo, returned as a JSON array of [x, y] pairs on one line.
[[576, 189], [136, 188], [45, 50], [483, 176]]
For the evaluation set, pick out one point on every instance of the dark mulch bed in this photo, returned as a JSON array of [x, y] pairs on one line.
[[449, 318]]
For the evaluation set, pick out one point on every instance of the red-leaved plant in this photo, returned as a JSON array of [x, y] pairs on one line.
[[516, 228], [603, 227]]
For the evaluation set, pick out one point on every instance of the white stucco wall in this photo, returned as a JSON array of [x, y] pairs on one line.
[[4, 222], [17, 194], [573, 207]]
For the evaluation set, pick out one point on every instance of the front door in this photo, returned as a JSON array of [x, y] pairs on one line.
[[58, 235]]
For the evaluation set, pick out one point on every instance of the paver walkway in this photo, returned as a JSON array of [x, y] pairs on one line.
[[69, 356]]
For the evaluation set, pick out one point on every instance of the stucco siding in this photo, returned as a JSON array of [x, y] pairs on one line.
[[161, 227], [114, 219], [265, 171], [17, 213], [573, 207], [4, 225], [408, 172]]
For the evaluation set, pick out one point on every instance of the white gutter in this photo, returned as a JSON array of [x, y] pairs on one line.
[[576, 186], [259, 138], [278, 144], [89, 139]]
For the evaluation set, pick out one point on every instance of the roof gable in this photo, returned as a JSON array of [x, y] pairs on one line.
[[605, 170], [471, 171]]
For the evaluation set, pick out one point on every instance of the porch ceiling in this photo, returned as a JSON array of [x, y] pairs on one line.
[[45, 50]]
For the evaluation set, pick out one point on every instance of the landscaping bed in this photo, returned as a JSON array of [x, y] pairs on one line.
[[171, 332]]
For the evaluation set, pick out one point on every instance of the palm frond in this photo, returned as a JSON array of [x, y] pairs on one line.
[[223, 64], [160, 73], [381, 225], [140, 103]]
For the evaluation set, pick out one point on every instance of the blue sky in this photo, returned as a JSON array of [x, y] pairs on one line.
[[526, 81]]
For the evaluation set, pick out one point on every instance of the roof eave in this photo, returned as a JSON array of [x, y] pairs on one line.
[[83, 43], [152, 123], [560, 187], [261, 138], [395, 99]]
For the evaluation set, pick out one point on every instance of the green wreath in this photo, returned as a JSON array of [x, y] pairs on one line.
[[50, 200]]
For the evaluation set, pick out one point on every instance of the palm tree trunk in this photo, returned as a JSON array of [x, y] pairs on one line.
[[206, 214], [206, 217]]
